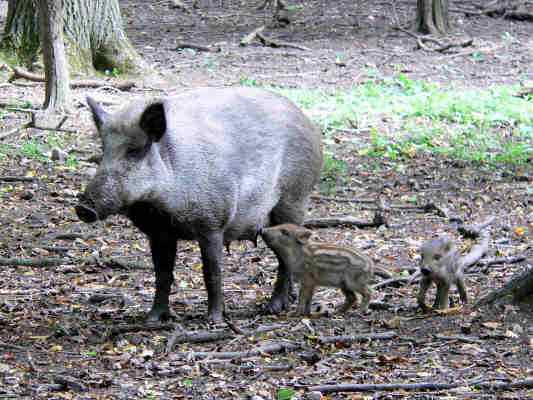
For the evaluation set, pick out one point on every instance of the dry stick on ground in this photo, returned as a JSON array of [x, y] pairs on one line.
[[395, 281], [345, 220], [56, 261], [266, 41], [198, 47], [246, 40], [479, 249], [182, 336], [127, 328], [270, 348], [17, 179], [474, 231], [522, 384], [460, 338], [347, 339], [20, 73], [32, 124], [441, 47]]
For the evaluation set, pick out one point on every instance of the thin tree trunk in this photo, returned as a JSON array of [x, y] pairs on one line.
[[93, 29], [432, 17], [55, 62]]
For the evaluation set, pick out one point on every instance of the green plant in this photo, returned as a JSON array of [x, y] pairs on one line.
[[114, 72], [251, 82], [334, 172], [32, 149]]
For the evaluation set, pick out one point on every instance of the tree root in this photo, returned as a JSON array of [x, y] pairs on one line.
[[509, 9], [20, 73], [520, 287], [346, 220]]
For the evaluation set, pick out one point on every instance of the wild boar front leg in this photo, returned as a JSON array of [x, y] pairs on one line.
[[163, 257], [425, 282], [211, 246], [442, 299], [282, 288], [307, 289], [462, 290]]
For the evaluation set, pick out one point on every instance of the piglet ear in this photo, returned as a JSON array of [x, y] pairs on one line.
[[303, 236], [153, 121], [99, 114]]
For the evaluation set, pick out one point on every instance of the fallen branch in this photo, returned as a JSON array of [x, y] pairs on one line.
[[342, 200], [501, 260], [20, 73], [460, 338], [33, 262], [347, 220], [198, 47], [441, 211], [246, 40], [182, 336], [279, 43], [44, 262], [70, 383], [347, 339], [394, 281], [266, 41], [441, 47], [270, 348], [479, 249], [127, 328], [527, 383], [17, 179], [476, 252], [474, 231], [71, 236]]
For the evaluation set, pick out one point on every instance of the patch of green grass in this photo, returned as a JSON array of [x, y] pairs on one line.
[[249, 82], [401, 118], [33, 149], [334, 172]]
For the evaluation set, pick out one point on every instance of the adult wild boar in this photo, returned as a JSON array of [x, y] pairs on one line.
[[212, 165]]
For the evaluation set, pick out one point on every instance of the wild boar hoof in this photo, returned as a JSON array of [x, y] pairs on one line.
[[277, 304], [159, 314], [215, 317]]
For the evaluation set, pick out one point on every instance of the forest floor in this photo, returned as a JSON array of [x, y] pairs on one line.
[[73, 328]]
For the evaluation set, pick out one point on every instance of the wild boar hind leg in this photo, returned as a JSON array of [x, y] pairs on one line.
[[163, 257], [211, 247]]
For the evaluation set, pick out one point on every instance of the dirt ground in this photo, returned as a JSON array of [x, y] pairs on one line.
[[75, 330]]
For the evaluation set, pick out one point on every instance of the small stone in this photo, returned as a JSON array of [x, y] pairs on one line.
[[27, 195], [314, 396], [58, 155]]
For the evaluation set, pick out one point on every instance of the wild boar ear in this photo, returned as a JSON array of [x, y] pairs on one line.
[[99, 114], [153, 121]]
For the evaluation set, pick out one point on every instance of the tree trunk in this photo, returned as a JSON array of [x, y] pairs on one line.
[[55, 63], [432, 17], [94, 35]]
